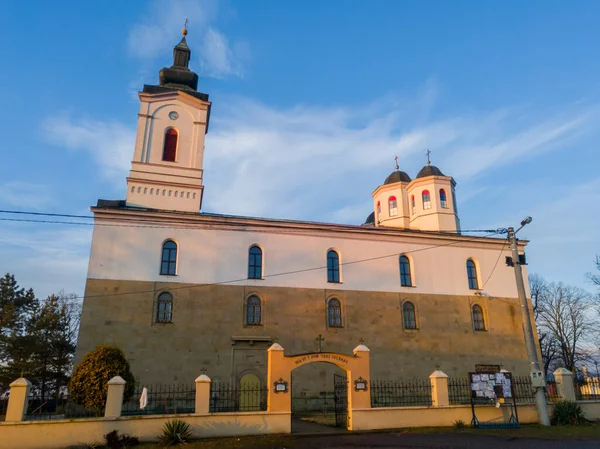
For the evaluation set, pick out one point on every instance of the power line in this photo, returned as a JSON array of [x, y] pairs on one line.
[[303, 270], [495, 265]]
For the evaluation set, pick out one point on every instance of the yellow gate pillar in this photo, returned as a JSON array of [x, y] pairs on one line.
[[359, 376], [278, 381]]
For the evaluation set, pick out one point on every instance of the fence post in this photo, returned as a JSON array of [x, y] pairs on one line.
[[18, 400], [114, 398], [439, 390], [564, 384], [202, 394]]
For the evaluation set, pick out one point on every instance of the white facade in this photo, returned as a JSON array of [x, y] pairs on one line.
[[214, 249]]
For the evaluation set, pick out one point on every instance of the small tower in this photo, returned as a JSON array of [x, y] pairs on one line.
[[432, 201], [390, 200], [166, 170]]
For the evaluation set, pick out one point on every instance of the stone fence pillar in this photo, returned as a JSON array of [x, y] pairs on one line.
[[114, 398], [202, 395], [18, 400], [439, 389], [564, 384]]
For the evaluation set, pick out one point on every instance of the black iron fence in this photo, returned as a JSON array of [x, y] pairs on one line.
[[459, 390], [225, 397], [161, 399], [588, 389], [3, 407], [61, 407], [522, 389], [400, 393], [551, 391]]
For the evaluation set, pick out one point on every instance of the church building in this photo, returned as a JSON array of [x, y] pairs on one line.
[[181, 291]]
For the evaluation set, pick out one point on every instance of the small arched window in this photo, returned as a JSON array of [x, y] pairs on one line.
[[164, 308], [472, 274], [170, 146], [413, 206], [255, 263], [405, 278], [253, 311], [168, 264], [408, 312], [426, 199], [443, 202], [378, 208], [393, 205], [334, 313], [478, 321], [333, 266]]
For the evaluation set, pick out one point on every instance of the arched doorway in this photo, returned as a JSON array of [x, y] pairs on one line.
[[250, 393]]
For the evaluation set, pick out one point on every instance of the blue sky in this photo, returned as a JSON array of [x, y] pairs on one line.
[[311, 101]]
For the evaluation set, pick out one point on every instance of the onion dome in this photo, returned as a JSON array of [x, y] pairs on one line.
[[370, 219], [429, 170], [397, 176]]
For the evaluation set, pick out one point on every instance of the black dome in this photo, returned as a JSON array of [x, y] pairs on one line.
[[370, 219], [430, 170], [397, 176]]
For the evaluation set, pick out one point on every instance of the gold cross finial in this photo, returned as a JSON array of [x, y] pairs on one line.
[[428, 160], [396, 159], [184, 31]]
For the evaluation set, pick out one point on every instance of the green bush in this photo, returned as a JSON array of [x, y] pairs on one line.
[[175, 432], [116, 441], [88, 385], [567, 413], [459, 424]]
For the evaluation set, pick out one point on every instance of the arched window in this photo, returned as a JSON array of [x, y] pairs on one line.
[[393, 204], [255, 263], [170, 146], [443, 202], [164, 308], [413, 207], [426, 199], [408, 312], [472, 275], [334, 313], [405, 279], [253, 311], [168, 264], [478, 321], [333, 266], [378, 208]]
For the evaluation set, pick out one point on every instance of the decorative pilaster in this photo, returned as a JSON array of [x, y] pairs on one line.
[[114, 397], [202, 394], [18, 400], [439, 388]]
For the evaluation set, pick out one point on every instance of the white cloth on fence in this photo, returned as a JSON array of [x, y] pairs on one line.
[[144, 398]]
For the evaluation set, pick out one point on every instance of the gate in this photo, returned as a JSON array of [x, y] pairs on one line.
[[340, 397]]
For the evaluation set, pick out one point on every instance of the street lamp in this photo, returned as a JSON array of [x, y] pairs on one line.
[[538, 380]]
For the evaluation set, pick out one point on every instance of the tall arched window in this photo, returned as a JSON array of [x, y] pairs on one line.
[[408, 312], [168, 264], [478, 321], [413, 207], [393, 205], [255, 263], [405, 279], [472, 275], [170, 146], [334, 313], [443, 202], [253, 311], [164, 308], [426, 199], [378, 208], [333, 266]]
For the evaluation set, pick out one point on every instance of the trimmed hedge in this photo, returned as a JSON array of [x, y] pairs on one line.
[[88, 385]]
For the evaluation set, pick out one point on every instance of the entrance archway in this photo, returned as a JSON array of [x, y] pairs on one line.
[[280, 367], [250, 389]]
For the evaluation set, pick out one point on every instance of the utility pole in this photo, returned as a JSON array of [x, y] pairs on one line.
[[534, 363]]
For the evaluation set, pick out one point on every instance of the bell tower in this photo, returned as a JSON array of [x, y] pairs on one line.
[[166, 170]]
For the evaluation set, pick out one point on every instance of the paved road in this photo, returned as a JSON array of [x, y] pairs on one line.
[[432, 441]]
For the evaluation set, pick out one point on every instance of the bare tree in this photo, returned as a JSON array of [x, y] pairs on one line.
[[548, 347], [595, 278], [563, 314]]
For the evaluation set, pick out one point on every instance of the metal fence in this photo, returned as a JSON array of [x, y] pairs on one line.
[[551, 391], [400, 393], [162, 399], [459, 390], [61, 407], [225, 397], [523, 390], [587, 389], [3, 407]]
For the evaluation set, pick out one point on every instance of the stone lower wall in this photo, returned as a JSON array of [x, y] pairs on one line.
[[208, 332]]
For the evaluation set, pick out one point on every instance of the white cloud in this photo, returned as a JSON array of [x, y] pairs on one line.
[[110, 144], [25, 195], [159, 31]]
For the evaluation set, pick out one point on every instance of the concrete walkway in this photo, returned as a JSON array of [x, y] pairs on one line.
[[302, 427]]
